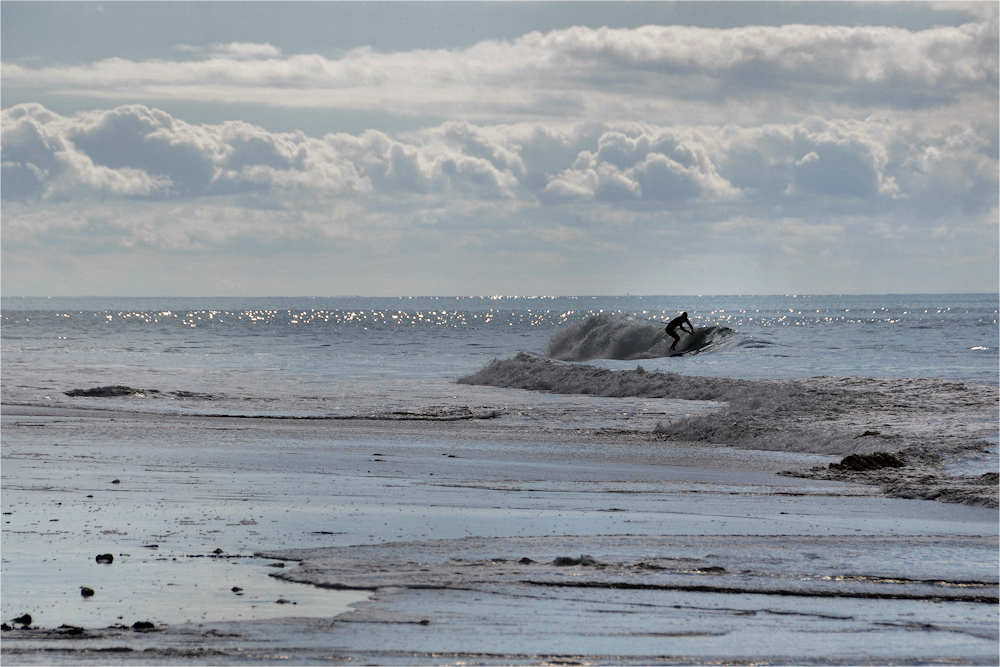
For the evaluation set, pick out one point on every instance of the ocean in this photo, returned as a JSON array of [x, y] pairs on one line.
[[359, 356], [446, 471]]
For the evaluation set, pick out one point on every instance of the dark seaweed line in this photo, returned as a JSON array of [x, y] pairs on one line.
[[377, 417], [978, 599]]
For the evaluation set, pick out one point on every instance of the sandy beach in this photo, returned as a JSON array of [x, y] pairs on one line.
[[469, 541]]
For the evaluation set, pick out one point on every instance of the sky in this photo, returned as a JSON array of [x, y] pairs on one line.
[[530, 148]]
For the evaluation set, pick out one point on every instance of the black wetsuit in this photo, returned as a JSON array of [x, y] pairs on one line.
[[678, 322]]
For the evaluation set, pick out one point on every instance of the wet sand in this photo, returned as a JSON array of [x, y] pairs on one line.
[[403, 541]]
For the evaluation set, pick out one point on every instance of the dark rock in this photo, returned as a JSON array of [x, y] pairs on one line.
[[711, 569], [71, 630], [105, 559], [873, 461], [237, 589], [116, 481], [568, 561], [218, 551], [526, 561], [23, 620], [86, 592], [142, 626], [4, 627], [282, 601], [276, 565]]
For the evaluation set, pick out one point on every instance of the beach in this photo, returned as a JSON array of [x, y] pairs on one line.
[[419, 533]]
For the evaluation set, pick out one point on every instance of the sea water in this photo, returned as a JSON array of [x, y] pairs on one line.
[[366, 356]]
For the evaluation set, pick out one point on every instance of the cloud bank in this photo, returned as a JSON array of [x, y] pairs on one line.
[[591, 74], [135, 152], [763, 149]]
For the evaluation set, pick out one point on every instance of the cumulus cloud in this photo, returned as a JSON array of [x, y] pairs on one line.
[[139, 152], [651, 165], [135, 177], [805, 143], [136, 151]]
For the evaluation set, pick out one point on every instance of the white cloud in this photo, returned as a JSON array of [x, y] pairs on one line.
[[246, 50], [796, 151], [652, 74], [137, 152]]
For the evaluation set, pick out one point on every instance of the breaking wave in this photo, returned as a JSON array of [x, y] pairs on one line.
[[930, 422], [610, 336]]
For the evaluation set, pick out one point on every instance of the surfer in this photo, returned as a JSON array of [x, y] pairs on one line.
[[678, 323]]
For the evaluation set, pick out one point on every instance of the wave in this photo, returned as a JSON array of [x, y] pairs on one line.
[[537, 373], [929, 422], [610, 336]]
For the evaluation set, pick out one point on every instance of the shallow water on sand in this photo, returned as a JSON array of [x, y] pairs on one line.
[[447, 509], [160, 589]]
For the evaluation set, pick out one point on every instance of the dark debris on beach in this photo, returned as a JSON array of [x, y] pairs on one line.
[[914, 473]]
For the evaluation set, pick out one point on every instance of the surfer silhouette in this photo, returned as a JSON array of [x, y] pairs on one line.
[[678, 323]]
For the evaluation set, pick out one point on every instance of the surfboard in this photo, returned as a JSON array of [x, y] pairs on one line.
[[690, 343]]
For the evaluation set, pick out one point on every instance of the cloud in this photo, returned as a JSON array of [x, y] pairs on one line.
[[815, 165], [234, 50], [630, 169], [599, 149], [816, 198], [460, 204], [247, 50], [39, 159], [650, 74]]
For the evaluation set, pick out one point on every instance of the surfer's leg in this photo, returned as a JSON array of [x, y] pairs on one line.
[[675, 337]]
